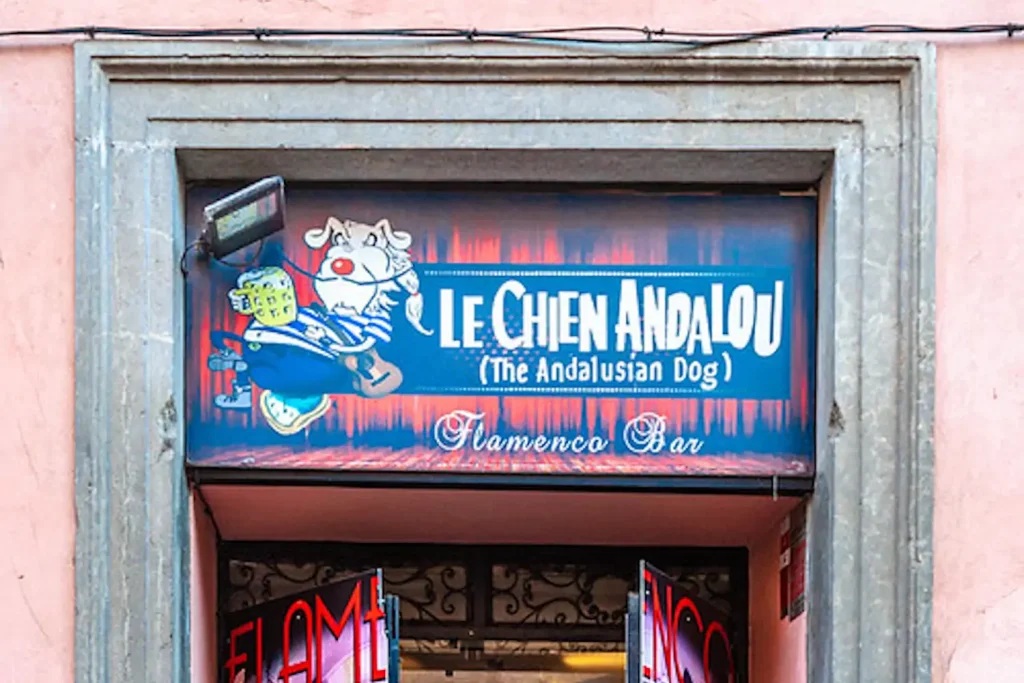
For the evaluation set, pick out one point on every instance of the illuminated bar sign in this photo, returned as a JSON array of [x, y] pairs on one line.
[[543, 333], [683, 639], [331, 634]]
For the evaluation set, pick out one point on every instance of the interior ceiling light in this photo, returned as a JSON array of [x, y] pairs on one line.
[[594, 661]]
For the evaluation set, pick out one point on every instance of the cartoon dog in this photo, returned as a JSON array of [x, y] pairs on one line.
[[300, 354], [362, 266]]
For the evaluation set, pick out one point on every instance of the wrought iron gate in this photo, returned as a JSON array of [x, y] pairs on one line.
[[492, 607]]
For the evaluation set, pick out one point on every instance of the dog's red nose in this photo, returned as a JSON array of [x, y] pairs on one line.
[[342, 266]]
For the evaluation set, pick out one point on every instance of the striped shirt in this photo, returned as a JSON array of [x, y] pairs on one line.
[[360, 331]]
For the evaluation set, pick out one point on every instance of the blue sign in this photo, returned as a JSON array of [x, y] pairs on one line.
[[607, 331], [583, 332]]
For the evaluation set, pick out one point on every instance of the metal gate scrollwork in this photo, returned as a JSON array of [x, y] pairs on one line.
[[491, 602]]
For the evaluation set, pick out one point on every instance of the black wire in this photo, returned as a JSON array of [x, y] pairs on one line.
[[579, 34], [207, 510], [201, 246], [243, 266], [197, 245]]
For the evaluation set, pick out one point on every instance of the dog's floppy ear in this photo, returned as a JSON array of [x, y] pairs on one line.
[[318, 237], [398, 239]]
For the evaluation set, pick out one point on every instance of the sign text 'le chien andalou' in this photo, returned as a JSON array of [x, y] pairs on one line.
[[581, 332]]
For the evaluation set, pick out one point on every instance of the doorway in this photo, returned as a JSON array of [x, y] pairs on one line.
[[497, 613]]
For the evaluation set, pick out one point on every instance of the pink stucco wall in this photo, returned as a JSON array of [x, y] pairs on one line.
[[778, 647], [204, 595], [979, 585]]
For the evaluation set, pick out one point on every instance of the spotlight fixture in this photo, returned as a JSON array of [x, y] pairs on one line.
[[244, 217]]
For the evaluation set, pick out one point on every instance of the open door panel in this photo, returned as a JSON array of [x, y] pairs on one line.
[[634, 624], [392, 610], [681, 638], [341, 632]]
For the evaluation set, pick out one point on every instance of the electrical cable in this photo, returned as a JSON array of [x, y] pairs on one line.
[[207, 510], [245, 265], [202, 247], [579, 34], [196, 245]]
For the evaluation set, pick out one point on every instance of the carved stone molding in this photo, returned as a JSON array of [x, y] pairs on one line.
[[856, 118]]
